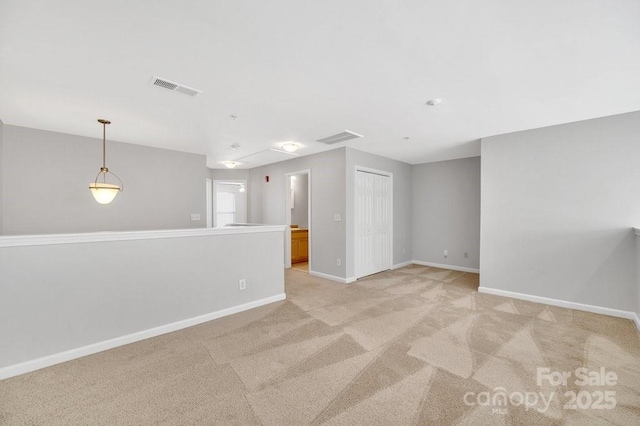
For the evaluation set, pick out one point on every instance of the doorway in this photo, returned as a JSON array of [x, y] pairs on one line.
[[229, 202], [209, 195], [298, 253], [373, 221]]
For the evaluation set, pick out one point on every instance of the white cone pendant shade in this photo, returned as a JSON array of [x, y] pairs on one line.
[[104, 192]]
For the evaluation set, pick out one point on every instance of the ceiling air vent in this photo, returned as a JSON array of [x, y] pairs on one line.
[[175, 87], [339, 137]]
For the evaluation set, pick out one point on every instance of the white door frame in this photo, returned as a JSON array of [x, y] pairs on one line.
[[209, 202], [355, 214], [215, 185], [287, 207]]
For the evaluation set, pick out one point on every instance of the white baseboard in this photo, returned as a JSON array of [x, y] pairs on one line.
[[444, 266], [332, 277], [402, 265], [636, 320], [564, 304], [47, 361]]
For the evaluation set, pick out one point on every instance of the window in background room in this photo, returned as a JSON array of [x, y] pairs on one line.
[[230, 202], [226, 208]]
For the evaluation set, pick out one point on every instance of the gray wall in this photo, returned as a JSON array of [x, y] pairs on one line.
[[53, 300], [228, 174], [558, 204], [46, 177], [300, 212], [402, 193], [267, 204], [1, 169], [446, 212]]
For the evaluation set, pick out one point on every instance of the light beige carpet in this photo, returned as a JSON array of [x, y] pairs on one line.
[[413, 346]]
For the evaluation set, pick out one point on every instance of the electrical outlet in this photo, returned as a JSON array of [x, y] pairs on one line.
[[446, 253], [338, 262], [466, 254], [242, 284], [195, 216], [337, 217]]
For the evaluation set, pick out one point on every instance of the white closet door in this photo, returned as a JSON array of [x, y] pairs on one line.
[[373, 223]]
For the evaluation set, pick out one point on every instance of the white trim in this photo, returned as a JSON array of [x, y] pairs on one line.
[[332, 277], [355, 215], [637, 231], [95, 237], [636, 320], [47, 361], [564, 304], [402, 265], [209, 200], [445, 266]]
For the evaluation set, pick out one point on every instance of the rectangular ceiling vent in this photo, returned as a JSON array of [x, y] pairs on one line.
[[340, 137], [175, 87]]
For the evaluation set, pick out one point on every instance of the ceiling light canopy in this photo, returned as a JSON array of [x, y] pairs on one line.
[[434, 102], [290, 146], [230, 164], [102, 191]]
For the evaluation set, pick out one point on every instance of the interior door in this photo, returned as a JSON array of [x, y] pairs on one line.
[[373, 223]]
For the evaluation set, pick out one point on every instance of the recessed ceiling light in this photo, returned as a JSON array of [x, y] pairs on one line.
[[230, 164], [434, 102], [290, 146]]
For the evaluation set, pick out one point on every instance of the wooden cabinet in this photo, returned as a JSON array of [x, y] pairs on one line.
[[299, 245]]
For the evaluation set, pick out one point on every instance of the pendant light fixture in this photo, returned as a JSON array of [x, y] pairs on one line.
[[104, 192]]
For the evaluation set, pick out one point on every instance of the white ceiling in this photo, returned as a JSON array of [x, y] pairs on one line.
[[301, 70]]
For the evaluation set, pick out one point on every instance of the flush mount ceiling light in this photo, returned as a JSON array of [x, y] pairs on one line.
[[235, 147], [290, 146], [230, 164], [434, 102], [104, 192]]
